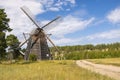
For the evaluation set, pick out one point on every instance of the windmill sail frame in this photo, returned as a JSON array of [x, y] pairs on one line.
[[37, 43]]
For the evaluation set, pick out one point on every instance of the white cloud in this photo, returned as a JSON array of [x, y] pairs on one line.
[[72, 1], [54, 9], [98, 22], [66, 41], [15, 5], [112, 34], [19, 22], [81, 13], [98, 38], [114, 15], [56, 5], [70, 24]]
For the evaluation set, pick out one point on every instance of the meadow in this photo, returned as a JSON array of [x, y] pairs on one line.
[[47, 70], [107, 61]]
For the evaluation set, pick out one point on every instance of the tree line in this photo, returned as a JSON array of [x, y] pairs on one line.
[[89, 51], [90, 47]]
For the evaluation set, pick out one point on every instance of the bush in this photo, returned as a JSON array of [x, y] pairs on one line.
[[20, 57], [33, 57]]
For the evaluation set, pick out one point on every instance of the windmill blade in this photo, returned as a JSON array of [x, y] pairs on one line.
[[28, 49], [50, 22], [23, 43], [24, 36], [48, 35], [34, 42], [40, 30], [36, 38], [22, 52], [52, 43], [28, 12]]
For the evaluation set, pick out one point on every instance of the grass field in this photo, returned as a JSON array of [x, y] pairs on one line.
[[47, 70], [108, 61]]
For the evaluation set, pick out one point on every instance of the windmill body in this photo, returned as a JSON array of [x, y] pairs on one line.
[[40, 48]]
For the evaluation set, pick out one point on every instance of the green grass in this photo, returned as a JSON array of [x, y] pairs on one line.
[[47, 70], [108, 61]]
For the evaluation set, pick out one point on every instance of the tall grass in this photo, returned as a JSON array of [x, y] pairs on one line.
[[47, 70]]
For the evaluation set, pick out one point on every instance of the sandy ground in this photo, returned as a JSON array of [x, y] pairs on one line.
[[108, 70]]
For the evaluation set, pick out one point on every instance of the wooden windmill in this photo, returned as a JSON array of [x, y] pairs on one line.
[[37, 42]]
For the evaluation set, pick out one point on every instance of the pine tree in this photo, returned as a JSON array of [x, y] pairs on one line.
[[3, 28]]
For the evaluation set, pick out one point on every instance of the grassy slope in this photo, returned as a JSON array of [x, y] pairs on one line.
[[108, 61], [47, 70]]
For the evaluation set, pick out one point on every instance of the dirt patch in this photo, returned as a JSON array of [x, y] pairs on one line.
[[108, 70]]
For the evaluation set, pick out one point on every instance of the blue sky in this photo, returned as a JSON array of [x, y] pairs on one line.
[[82, 21]]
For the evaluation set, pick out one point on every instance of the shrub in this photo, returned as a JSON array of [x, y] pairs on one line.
[[20, 57], [33, 57]]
